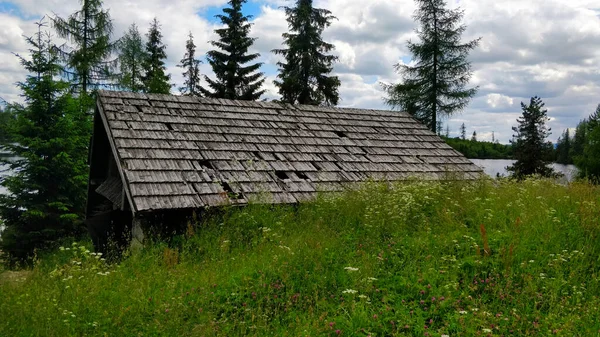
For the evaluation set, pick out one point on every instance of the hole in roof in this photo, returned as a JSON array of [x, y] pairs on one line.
[[169, 126], [139, 108], [340, 134], [257, 155], [230, 193], [316, 166], [302, 175], [281, 175], [205, 164]]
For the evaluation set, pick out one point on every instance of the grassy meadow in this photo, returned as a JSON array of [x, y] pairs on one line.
[[420, 259]]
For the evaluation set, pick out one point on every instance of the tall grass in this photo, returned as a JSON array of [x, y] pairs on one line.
[[419, 259]]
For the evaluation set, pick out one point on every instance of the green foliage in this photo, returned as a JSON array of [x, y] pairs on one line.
[[234, 80], [435, 85], [87, 60], [460, 259], [304, 74], [50, 134], [564, 153], [532, 152], [474, 136], [131, 57], [480, 149], [155, 79], [588, 162], [6, 116], [191, 85]]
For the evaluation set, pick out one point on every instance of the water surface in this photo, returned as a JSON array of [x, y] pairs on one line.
[[493, 167]]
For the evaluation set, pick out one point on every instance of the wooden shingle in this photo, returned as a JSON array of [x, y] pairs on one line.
[[187, 152]]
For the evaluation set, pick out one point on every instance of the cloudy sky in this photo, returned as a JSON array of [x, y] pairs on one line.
[[549, 48]]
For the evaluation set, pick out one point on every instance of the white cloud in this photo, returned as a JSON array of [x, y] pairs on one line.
[[537, 47]]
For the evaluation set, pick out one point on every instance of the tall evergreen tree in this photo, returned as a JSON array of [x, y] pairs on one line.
[[563, 149], [304, 75], [131, 57], [474, 136], [447, 131], [6, 117], [233, 79], [439, 128], [155, 79], [191, 85], [50, 135], [588, 162], [436, 85], [533, 153], [88, 65], [463, 131], [579, 139]]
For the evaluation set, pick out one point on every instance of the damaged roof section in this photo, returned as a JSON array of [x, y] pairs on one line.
[[187, 152]]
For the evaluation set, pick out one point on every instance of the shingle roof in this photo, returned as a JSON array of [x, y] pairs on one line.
[[187, 152]]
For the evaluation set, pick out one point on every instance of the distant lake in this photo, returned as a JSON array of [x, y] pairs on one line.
[[493, 167]]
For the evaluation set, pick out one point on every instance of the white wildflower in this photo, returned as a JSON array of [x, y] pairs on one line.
[[487, 330], [351, 269], [349, 291], [462, 312]]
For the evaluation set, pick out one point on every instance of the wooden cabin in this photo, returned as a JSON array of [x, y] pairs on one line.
[[161, 154]]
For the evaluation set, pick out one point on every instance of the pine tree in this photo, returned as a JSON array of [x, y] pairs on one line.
[[579, 139], [588, 162], [439, 128], [447, 131], [87, 61], [463, 131], [493, 137], [6, 116], [563, 149], [131, 56], [50, 133], [532, 152], [474, 136], [436, 85], [155, 79], [191, 85], [304, 74], [233, 79]]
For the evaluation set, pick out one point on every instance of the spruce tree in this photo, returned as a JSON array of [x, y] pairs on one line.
[[563, 149], [533, 153], [234, 80], [447, 131], [463, 131], [304, 75], [436, 85], [191, 85], [474, 136], [50, 135], [131, 56], [439, 127], [588, 162], [155, 79], [87, 60]]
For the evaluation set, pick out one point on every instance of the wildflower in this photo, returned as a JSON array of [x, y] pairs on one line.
[[331, 324], [349, 291], [351, 269], [462, 312], [61, 248], [338, 332], [531, 261], [486, 330]]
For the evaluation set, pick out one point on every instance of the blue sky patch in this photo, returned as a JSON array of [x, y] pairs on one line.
[[250, 8]]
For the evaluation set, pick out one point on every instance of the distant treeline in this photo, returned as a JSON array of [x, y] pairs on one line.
[[474, 149]]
